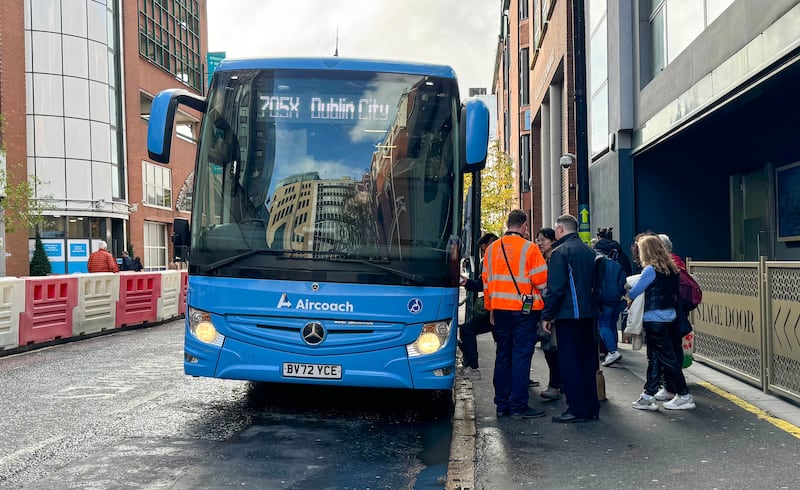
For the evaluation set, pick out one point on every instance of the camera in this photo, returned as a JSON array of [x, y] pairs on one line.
[[566, 160]]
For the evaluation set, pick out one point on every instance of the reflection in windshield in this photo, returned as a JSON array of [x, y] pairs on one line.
[[345, 165]]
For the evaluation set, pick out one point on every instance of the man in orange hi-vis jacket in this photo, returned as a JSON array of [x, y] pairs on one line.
[[514, 273]]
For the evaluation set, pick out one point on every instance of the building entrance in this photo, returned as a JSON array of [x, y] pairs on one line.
[[752, 228]]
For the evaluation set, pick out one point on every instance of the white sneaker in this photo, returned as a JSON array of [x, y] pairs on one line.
[[664, 395], [472, 373], [645, 402], [611, 358], [680, 402]]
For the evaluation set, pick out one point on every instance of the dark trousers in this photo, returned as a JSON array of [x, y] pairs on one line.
[[662, 356], [551, 356], [468, 333], [577, 358], [677, 345], [515, 335]]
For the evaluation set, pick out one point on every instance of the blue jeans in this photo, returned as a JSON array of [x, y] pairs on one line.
[[607, 325], [515, 335]]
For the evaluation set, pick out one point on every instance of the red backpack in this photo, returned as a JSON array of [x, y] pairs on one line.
[[689, 293]]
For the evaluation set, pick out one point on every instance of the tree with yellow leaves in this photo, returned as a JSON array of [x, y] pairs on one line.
[[497, 190]]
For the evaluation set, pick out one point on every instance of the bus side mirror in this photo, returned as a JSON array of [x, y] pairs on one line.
[[180, 238], [475, 134], [162, 120]]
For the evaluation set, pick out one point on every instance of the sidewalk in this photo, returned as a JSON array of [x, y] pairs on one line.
[[737, 437]]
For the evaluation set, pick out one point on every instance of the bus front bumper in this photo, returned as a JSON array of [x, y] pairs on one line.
[[385, 368]]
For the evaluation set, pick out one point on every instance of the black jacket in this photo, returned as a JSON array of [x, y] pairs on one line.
[[127, 264], [612, 248], [474, 285], [569, 280]]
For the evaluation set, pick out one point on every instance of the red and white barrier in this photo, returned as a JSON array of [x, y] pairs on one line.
[[170, 295], [12, 303], [36, 310], [98, 294], [49, 305], [138, 298]]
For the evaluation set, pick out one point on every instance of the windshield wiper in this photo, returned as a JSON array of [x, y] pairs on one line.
[[286, 254], [233, 258], [412, 277]]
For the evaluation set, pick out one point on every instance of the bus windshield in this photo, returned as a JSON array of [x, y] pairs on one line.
[[339, 171]]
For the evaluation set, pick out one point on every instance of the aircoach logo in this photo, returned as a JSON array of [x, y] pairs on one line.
[[284, 302], [305, 304]]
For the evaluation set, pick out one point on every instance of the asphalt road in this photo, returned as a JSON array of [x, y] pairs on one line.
[[116, 411]]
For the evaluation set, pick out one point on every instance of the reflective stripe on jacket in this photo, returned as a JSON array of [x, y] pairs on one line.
[[528, 268]]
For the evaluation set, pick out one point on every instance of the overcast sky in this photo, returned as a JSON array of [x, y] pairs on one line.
[[459, 33]]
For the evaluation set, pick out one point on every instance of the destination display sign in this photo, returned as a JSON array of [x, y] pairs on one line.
[[320, 108]]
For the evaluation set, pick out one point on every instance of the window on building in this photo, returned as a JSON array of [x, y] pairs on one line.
[[52, 227], [523, 9], [546, 8], [525, 163], [598, 77], [599, 120], [685, 21], [524, 77], [156, 185], [77, 227], [118, 188], [155, 246], [186, 126], [145, 105], [169, 36], [658, 45], [714, 8], [674, 24]]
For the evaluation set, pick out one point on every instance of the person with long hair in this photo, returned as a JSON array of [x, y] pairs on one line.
[[659, 284]]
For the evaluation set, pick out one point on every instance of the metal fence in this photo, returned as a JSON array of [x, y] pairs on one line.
[[748, 324]]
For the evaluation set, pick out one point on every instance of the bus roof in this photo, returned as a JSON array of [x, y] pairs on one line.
[[335, 63]]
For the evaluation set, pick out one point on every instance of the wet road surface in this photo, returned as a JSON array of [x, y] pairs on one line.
[[116, 411]]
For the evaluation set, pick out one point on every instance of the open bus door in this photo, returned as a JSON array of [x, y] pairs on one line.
[[470, 263]]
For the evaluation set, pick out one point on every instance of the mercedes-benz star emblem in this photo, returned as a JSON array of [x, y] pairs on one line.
[[313, 333]]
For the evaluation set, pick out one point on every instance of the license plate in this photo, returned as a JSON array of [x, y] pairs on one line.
[[316, 371]]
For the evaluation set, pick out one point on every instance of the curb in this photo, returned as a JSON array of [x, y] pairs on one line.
[[461, 467]]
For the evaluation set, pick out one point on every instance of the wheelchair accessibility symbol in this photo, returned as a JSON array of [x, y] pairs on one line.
[[414, 305]]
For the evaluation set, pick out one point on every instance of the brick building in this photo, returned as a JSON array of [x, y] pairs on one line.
[[75, 83], [535, 89]]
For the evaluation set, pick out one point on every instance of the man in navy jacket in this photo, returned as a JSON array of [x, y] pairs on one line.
[[568, 302]]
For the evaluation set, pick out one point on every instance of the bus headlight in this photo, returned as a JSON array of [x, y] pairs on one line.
[[432, 338], [203, 329]]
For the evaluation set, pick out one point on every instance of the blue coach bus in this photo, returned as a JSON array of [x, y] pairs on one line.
[[326, 221]]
